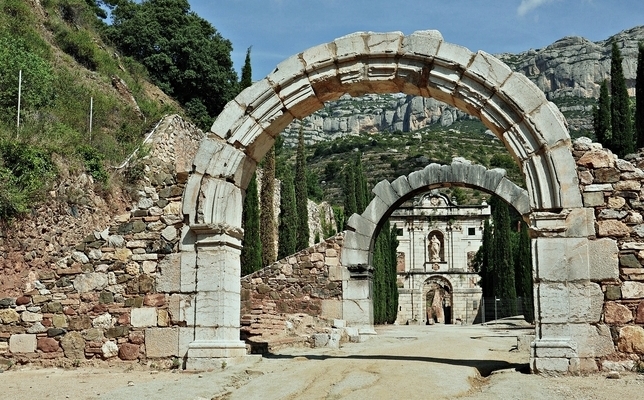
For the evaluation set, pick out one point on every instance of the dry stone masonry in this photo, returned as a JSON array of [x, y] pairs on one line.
[[162, 280], [110, 296]]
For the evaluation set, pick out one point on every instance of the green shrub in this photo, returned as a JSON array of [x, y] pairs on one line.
[[37, 77], [78, 44], [93, 163], [25, 171]]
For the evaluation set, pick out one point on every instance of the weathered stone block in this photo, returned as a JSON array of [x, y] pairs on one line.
[[161, 342], [22, 343], [632, 290], [615, 313], [593, 199], [631, 339], [586, 301], [143, 317], [612, 228], [602, 259], [331, 309], [73, 345]]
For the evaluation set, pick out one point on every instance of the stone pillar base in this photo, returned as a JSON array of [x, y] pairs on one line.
[[553, 357], [213, 354]]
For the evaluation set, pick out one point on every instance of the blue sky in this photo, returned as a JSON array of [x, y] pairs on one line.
[[277, 29]]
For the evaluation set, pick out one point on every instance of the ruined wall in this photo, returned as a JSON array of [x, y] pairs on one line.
[[614, 188], [308, 282], [103, 298]]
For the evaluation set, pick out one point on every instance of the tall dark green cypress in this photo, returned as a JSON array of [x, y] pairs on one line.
[[385, 278], [267, 213], [362, 194], [639, 97], [503, 260], [247, 72], [622, 127], [523, 273], [251, 253], [601, 117], [350, 206], [301, 196], [288, 217], [484, 257], [392, 276]]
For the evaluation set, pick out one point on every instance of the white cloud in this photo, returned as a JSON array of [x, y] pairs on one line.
[[528, 5]]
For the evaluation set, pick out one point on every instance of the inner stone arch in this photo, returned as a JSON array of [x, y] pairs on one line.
[[422, 63]]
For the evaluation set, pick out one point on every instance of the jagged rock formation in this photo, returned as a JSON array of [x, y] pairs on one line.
[[575, 66], [569, 71]]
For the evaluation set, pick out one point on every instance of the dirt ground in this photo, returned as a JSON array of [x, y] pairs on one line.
[[407, 362]]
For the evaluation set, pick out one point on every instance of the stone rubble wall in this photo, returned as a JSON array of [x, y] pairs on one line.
[[614, 188], [306, 283], [104, 298]]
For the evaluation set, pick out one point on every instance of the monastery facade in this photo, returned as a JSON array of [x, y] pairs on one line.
[[438, 240]]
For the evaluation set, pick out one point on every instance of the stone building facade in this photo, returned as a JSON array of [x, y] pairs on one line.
[[437, 242]]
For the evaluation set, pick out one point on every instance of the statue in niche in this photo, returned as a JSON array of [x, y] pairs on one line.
[[434, 249]]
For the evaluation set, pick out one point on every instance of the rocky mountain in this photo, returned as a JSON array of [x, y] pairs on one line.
[[569, 71]]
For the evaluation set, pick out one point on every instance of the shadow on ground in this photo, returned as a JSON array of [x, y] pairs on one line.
[[484, 367]]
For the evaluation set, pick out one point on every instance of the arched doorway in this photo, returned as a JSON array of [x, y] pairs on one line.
[[438, 301], [515, 110]]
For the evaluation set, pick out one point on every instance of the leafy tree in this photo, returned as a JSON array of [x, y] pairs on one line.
[[601, 117], [267, 215], [301, 195], [183, 53], [622, 130], [251, 254], [639, 97], [459, 195]]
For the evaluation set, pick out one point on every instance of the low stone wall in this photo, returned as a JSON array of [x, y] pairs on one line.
[[614, 188], [306, 283], [105, 298]]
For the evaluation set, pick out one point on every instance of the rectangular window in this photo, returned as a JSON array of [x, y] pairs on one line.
[[471, 231]]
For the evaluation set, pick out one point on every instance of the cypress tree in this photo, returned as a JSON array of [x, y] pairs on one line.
[[247, 73], [251, 253], [379, 280], [362, 193], [350, 207], [622, 130], [267, 214], [639, 97], [301, 196], [503, 260], [601, 117], [288, 217], [523, 273], [483, 260], [392, 276]]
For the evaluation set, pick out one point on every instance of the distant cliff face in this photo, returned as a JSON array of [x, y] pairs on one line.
[[574, 66], [569, 71]]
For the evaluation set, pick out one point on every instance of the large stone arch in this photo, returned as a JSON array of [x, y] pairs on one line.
[[531, 128]]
